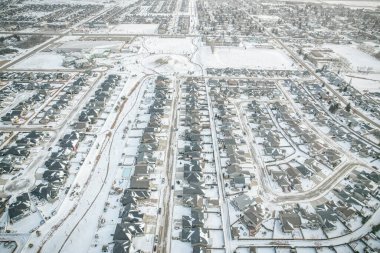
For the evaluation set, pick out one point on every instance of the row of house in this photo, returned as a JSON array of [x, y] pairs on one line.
[[351, 201], [58, 164], [11, 159], [274, 142], [13, 155], [96, 105], [51, 114], [139, 190], [238, 169], [239, 72], [322, 118], [225, 19], [21, 110], [363, 101], [27, 77], [193, 156], [36, 83], [362, 191], [316, 147]]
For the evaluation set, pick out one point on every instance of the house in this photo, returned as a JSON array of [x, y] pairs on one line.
[[6, 167], [195, 165], [139, 182], [148, 138], [147, 147], [240, 181], [194, 177], [143, 170], [195, 220], [20, 151], [132, 216], [253, 217], [19, 208], [3, 204], [48, 192], [242, 202], [82, 126], [128, 199], [309, 220], [53, 164], [199, 249], [126, 230], [126, 209], [145, 158], [123, 246], [193, 200], [55, 177], [137, 194], [193, 189], [345, 212], [197, 236], [290, 221]]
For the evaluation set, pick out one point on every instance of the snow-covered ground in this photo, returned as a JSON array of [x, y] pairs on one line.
[[169, 45], [134, 28], [78, 45], [41, 60], [362, 82], [168, 64], [354, 3], [358, 59], [230, 57]]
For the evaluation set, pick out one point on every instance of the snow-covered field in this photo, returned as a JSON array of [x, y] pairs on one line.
[[369, 82], [264, 58], [41, 60], [169, 45], [134, 28], [357, 58], [77, 45]]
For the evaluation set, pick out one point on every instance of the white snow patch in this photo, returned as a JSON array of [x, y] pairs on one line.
[[264, 58]]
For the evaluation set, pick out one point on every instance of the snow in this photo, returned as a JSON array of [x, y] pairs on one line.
[[265, 250], [313, 233], [27, 224], [267, 18], [168, 63], [99, 44], [278, 233], [213, 221], [41, 60], [179, 211], [355, 57], [169, 45], [216, 238], [305, 250], [134, 28], [263, 58], [183, 247], [5, 247], [343, 248], [353, 3], [362, 82]]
